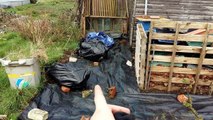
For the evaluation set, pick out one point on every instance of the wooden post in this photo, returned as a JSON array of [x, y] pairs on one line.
[[202, 57], [103, 24], [127, 9], [96, 25], [83, 20], [173, 56], [148, 55]]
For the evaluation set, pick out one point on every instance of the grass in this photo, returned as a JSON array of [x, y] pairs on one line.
[[49, 8], [11, 47], [14, 46]]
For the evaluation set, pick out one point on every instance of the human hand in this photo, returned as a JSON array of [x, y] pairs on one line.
[[103, 110]]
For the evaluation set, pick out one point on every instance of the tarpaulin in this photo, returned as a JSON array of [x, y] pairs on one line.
[[93, 50], [70, 74], [144, 106], [100, 36], [113, 71]]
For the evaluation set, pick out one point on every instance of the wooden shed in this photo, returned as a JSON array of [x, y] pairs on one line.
[[180, 10]]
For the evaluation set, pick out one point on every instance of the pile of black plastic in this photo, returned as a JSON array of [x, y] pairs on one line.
[[112, 71]]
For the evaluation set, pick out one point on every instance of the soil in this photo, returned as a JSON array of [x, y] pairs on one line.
[[67, 55]]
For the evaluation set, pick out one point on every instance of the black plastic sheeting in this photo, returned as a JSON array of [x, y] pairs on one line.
[[70, 74], [93, 50], [114, 72]]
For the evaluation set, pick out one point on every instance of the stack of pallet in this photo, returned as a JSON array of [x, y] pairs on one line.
[[173, 63]]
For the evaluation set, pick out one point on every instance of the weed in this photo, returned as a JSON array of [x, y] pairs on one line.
[[35, 30], [163, 116], [188, 105]]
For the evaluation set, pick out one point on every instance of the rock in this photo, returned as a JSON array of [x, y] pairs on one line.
[[3, 117], [86, 93], [96, 64], [65, 89], [37, 114], [182, 98], [129, 63], [72, 59], [112, 92]]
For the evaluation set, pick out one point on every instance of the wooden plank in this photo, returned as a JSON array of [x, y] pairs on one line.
[[83, 21], [180, 11], [83, 26], [174, 7], [143, 55], [106, 8], [181, 49], [127, 9], [96, 25], [195, 32], [163, 88], [183, 25], [103, 24], [180, 80], [113, 11], [137, 55], [188, 60], [98, 7], [181, 70], [181, 37], [164, 8], [173, 56], [148, 56], [177, 80], [93, 7], [113, 17], [202, 57], [89, 7], [111, 6]]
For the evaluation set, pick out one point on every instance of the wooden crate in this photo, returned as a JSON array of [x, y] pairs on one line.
[[177, 76]]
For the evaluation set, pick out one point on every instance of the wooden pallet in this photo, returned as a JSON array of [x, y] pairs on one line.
[[172, 78]]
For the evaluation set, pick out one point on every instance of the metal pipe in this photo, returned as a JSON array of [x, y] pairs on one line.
[[146, 4]]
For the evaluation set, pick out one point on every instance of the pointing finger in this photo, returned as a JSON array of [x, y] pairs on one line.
[[100, 100]]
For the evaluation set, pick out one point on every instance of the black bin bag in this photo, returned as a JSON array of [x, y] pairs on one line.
[[72, 75], [93, 50]]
